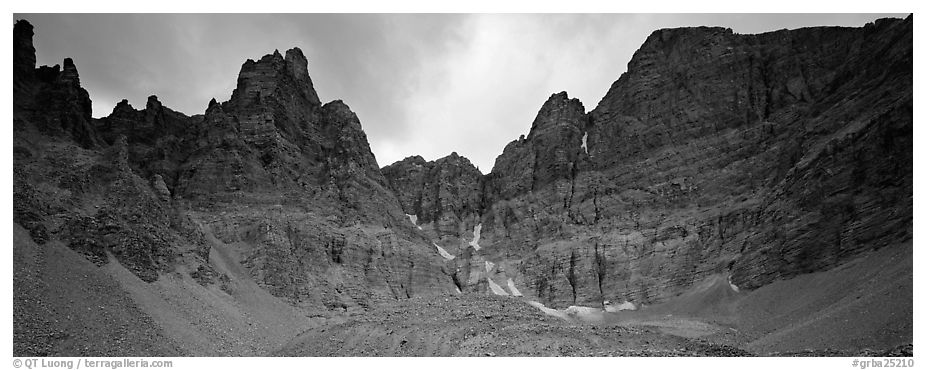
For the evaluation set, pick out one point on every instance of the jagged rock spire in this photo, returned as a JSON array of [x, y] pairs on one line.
[[273, 75], [23, 52]]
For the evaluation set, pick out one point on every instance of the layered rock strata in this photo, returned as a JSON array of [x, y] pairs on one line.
[[289, 181], [756, 156]]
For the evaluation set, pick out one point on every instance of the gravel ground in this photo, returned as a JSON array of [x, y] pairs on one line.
[[479, 325], [863, 308], [63, 305], [66, 306]]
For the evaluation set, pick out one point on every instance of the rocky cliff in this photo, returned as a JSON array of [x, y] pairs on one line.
[[553, 150], [753, 157], [49, 99], [446, 191], [289, 181], [758, 157]]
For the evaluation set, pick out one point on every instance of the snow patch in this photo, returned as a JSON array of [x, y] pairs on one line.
[[476, 231], [581, 310], [585, 142], [733, 286], [624, 306], [584, 313], [414, 220], [495, 288], [489, 266], [514, 291], [547, 310], [443, 252]]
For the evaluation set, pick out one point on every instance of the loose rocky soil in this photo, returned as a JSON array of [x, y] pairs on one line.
[[63, 305], [860, 309], [66, 306], [478, 325]]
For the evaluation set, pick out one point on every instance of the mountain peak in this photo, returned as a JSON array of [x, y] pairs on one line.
[[23, 51], [558, 110], [153, 103], [272, 75], [297, 63]]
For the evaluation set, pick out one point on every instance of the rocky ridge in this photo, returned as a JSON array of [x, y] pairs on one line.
[[717, 156], [758, 156], [273, 170]]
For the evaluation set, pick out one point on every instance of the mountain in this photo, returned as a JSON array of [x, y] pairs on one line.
[[287, 184], [715, 174], [756, 156]]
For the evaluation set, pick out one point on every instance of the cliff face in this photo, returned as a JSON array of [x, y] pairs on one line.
[[734, 125], [446, 191], [157, 139], [49, 99], [552, 151], [758, 157], [265, 130], [289, 181]]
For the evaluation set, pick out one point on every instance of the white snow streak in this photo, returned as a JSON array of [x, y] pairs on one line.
[[443, 252], [514, 291], [489, 266], [626, 305], [585, 142], [495, 288], [475, 243], [580, 310], [414, 220], [547, 310], [583, 313]]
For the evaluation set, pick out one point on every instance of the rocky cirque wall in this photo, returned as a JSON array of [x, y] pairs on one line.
[[446, 191], [290, 182], [757, 156]]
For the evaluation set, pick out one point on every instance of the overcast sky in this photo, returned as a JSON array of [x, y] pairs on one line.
[[420, 84]]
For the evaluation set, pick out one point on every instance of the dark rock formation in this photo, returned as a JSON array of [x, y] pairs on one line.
[[760, 156], [143, 126], [158, 138], [754, 156], [446, 191], [273, 135], [291, 180], [49, 99], [23, 55], [551, 151]]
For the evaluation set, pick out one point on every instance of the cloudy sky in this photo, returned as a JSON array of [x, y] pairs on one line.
[[421, 84]]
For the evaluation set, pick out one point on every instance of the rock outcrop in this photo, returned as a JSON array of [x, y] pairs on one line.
[[23, 55], [157, 137], [446, 191], [761, 156], [319, 215], [291, 181], [274, 135], [49, 99], [69, 185], [755, 156], [551, 151]]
